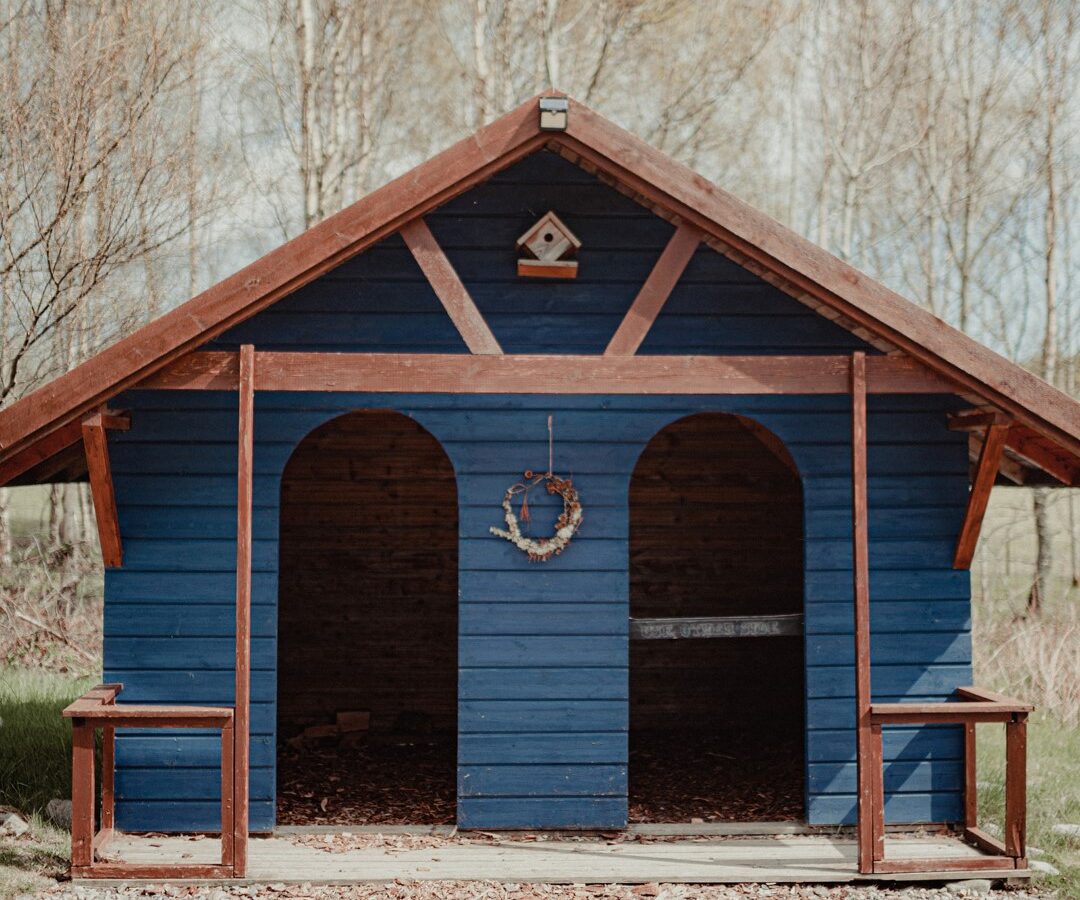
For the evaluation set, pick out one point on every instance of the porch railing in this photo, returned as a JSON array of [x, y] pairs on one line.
[[972, 706], [97, 709]]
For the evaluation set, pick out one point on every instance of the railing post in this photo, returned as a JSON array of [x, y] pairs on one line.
[[864, 743], [82, 793], [971, 789], [878, 804], [241, 720], [1016, 787], [228, 855], [108, 778]]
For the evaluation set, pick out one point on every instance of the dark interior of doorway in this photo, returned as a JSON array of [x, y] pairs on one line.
[[367, 626], [716, 530]]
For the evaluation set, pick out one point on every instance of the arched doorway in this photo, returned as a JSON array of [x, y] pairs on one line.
[[367, 626], [716, 699]]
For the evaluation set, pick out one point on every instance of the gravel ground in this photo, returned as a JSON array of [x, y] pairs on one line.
[[486, 890]]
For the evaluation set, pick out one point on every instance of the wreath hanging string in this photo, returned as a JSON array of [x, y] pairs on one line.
[[566, 526]]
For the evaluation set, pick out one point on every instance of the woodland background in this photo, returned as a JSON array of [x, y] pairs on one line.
[[150, 148]]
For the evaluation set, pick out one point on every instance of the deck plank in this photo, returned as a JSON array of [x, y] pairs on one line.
[[784, 858]]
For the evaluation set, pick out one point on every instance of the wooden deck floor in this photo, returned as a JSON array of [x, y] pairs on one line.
[[782, 858]]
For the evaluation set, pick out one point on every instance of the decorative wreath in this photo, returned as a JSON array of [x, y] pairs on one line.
[[566, 526]]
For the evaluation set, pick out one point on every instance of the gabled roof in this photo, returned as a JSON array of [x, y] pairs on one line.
[[744, 234]]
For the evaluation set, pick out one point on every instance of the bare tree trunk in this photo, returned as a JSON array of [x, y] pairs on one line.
[[5, 528], [1040, 586]]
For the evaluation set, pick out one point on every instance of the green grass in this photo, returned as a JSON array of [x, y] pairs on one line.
[[35, 741], [35, 767], [1053, 794], [34, 861]]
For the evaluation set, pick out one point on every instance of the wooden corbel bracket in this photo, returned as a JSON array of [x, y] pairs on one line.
[[95, 428]]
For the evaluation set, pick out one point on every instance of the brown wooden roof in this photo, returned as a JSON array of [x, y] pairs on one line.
[[741, 232]]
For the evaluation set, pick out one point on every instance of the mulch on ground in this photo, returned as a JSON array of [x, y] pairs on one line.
[[673, 778], [688, 776], [373, 781]]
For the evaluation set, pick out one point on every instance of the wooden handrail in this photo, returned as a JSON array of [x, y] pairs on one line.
[[97, 708], [971, 706]]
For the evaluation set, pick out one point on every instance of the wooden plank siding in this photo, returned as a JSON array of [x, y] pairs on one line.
[[542, 648]]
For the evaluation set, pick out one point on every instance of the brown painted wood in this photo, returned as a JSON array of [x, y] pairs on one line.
[[82, 793], [1010, 704], [971, 785], [171, 716], [38, 452], [933, 864], [448, 288], [550, 374], [977, 419], [228, 824], [947, 713], [985, 474], [108, 778], [984, 841], [96, 447], [811, 269], [655, 292], [1016, 787], [1036, 450], [244, 474], [877, 763], [165, 871], [861, 584]]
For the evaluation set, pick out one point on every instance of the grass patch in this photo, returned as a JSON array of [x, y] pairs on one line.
[[35, 742], [34, 861], [1053, 794], [35, 767]]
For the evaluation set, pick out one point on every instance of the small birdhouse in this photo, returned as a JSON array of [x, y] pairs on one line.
[[547, 250]]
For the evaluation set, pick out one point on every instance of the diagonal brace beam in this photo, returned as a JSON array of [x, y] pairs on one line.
[[95, 430], [449, 289], [985, 474], [654, 292]]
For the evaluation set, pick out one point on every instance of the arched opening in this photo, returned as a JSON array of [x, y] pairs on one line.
[[716, 599], [367, 626]]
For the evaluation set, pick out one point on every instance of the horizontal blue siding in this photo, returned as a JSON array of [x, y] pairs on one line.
[[542, 648]]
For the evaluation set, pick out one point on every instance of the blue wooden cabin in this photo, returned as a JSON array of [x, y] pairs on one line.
[[708, 377]]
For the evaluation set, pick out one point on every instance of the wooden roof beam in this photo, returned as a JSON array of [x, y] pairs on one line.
[[95, 430], [985, 474], [547, 374], [1030, 447]]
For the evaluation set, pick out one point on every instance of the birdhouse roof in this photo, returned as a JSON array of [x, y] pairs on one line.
[[549, 218]]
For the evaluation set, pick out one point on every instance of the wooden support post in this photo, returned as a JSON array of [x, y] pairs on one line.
[[96, 448], [878, 769], [228, 752], [971, 789], [108, 779], [244, 472], [654, 293], [82, 792], [861, 585], [1016, 787], [985, 474], [449, 289]]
